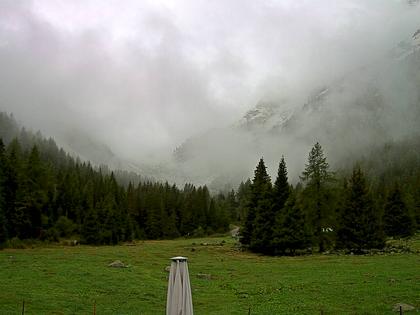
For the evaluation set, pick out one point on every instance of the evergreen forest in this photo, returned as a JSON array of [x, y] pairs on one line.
[[48, 195], [352, 210]]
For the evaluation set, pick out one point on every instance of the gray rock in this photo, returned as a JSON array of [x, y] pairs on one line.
[[117, 264], [405, 307]]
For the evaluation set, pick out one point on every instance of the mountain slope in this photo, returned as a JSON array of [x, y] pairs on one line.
[[365, 108]]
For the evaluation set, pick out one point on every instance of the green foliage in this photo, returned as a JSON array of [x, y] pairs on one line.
[[347, 217], [265, 230], [316, 171], [359, 222], [317, 193], [3, 221], [12, 170], [259, 209], [262, 228], [45, 193], [51, 235], [65, 227], [281, 190], [199, 232], [3, 226], [290, 233], [91, 230], [243, 196], [230, 205], [15, 243], [398, 221]]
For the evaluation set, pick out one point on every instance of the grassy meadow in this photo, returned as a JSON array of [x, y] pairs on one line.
[[69, 280]]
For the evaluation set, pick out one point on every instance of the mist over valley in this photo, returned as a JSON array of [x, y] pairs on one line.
[[162, 93]]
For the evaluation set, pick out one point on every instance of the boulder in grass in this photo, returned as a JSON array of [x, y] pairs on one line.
[[404, 307], [117, 264]]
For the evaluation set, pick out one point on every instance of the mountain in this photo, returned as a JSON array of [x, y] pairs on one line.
[[363, 109], [272, 115]]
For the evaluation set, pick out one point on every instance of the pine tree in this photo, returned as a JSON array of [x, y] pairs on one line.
[[112, 226], [169, 229], [281, 193], [289, 232], [131, 200], [200, 206], [154, 223], [31, 197], [232, 206], [243, 196], [359, 226], [91, 230], [35, 190], [397, 219], [257, 229], [188, 219], [281, 190], [317, 177], [12, 169], [221, 220], [3, 222], [248, 228], [262, 234]]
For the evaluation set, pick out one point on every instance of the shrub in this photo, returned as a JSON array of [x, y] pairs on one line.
[[51, 235], [65, 227], [15, 243]]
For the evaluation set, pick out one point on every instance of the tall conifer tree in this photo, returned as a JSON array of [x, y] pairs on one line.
[[3, 222], [397, 219], [289, 232], [91, 230], [359, 224], [12, 168], [255, 231], [243, 196], [316, 176], [281, 189]]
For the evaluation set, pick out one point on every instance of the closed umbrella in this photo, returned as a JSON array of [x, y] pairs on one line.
[[179, 299]]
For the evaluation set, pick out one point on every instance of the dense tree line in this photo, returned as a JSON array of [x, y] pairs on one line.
[[326, 210], [46, 194]]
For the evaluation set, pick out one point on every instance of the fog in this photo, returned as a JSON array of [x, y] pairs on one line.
[[142, 77]]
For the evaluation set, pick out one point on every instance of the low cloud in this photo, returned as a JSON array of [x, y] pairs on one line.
[[142, 77]]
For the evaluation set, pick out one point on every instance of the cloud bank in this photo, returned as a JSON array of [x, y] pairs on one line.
[[142, 76]]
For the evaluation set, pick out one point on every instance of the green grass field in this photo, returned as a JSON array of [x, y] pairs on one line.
[[68, 280]]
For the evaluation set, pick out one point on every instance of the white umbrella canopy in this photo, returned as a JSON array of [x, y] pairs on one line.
[[179, 299]]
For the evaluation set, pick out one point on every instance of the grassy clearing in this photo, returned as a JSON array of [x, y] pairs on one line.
[[67, 280]]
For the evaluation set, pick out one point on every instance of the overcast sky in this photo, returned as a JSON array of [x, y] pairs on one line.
[[142, 76]]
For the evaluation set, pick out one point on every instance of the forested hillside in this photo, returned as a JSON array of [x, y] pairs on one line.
[[46, 194], [355, 209]]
